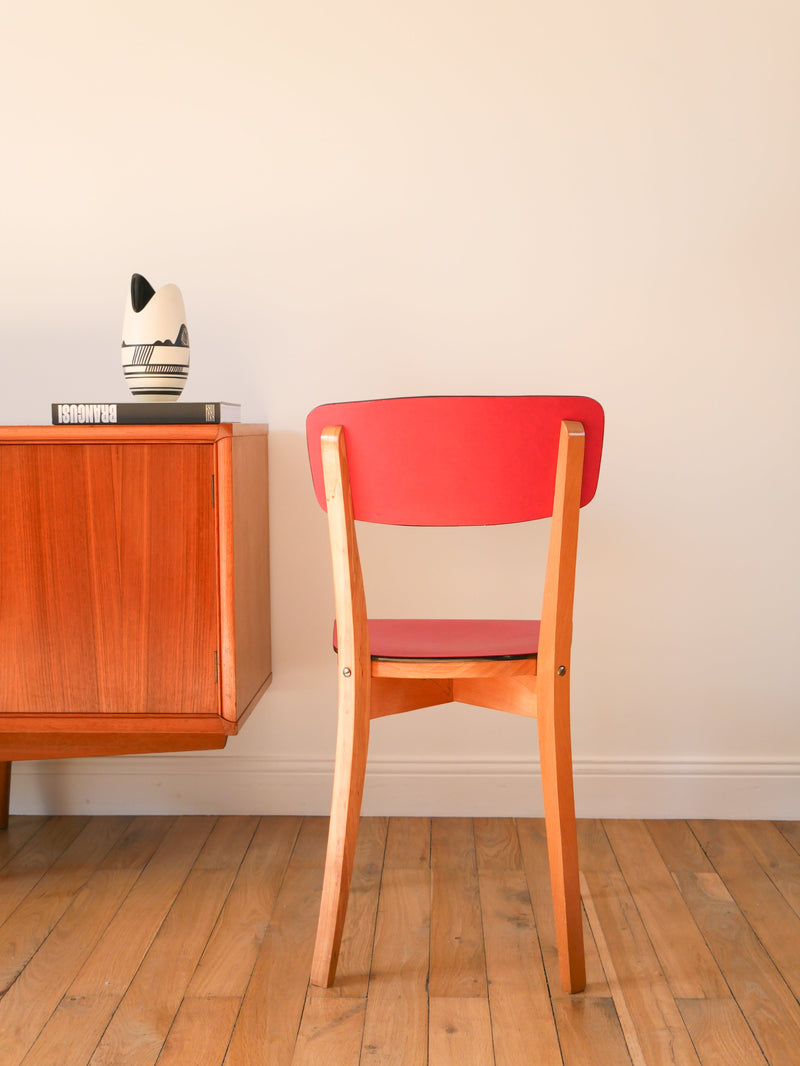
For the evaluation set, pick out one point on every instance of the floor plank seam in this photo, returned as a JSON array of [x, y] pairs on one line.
[[618, 996]]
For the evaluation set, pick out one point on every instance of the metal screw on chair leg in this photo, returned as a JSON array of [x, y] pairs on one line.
[[561, 671], [346, 671]]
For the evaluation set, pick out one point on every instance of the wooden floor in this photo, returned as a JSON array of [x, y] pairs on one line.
[[187, 942]]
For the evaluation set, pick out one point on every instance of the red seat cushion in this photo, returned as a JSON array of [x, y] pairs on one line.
[[451, 638]]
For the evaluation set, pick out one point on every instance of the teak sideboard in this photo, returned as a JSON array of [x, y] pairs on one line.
[[134, 589]]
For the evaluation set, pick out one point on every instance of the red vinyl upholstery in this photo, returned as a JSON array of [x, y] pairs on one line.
[[450, 638], [456, 460]]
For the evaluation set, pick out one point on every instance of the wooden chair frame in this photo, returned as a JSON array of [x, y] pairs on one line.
[[536, 687]]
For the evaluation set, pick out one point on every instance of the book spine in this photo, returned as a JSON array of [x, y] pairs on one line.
[[132, 414]]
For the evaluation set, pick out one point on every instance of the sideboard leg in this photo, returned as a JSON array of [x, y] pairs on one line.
[[5, 793]]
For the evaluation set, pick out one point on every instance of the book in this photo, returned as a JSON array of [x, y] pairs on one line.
[[147, 414]]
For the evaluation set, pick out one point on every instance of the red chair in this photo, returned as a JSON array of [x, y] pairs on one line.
[[449, 461]]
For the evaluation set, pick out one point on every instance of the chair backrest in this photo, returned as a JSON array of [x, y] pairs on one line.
[[455, 460]]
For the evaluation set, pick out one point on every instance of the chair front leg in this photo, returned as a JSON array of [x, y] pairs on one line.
[[352, 741], [555, 754]]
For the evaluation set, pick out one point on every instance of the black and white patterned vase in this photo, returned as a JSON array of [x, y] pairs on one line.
[[155, 341]]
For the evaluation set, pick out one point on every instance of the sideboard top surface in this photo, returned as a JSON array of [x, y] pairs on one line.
[[193, 434]]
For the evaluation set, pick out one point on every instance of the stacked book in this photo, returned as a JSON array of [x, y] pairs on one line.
[[147, 414]]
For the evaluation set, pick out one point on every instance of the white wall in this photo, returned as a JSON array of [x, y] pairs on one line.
[[366, 198]]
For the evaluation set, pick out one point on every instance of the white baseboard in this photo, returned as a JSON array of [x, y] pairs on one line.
[[219, 783]]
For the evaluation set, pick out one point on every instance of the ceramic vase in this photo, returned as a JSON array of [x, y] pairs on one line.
[[155, 341]]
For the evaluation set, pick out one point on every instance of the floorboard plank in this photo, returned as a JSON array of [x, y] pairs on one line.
[[777, 858], [678, 846], [200, 1033], [72, 1033], [408, 844], [460, 1031], [25, 869], [229, 957], [519, 1001], [589, 1032], [110, 969], [791, 831], [102, 980], [268, 1023], [138, 843], [396, 1021], [773, 920], [761, 994], [639, 988], [721, 1035], [682, 951], [29, 1003], [771, 1010], [497, 845], [21, 827], [458, 964], [47, 901], [331, 1031], [143, 1019]]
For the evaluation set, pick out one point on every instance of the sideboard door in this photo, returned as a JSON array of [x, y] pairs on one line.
[[109, 601]]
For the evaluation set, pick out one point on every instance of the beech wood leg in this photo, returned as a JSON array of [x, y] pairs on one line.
[[348, 785], [5, 793], [555, 753]]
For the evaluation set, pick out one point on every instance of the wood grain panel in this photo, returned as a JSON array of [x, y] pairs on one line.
[[250, 490], [109, 572], [50, 739]]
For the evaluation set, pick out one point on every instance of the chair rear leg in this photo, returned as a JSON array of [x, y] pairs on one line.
[[555, 754], [352, 742]]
